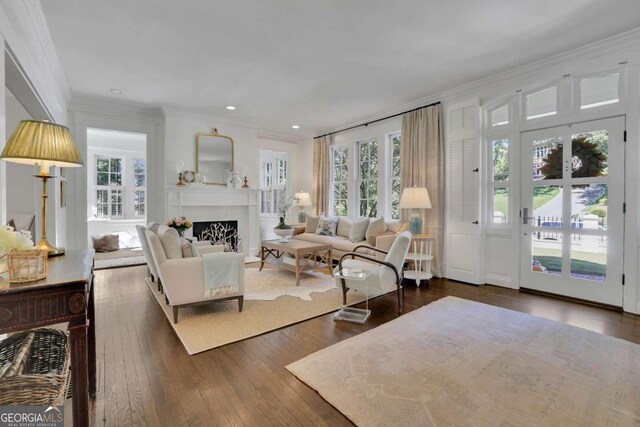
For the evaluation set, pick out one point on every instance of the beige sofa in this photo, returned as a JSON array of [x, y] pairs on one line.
[[341, 244]]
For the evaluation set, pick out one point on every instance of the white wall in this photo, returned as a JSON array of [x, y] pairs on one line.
[[21, 185]]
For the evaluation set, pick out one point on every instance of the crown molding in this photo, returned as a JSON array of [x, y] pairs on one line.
[[260, 132], [625, 46], [115, 108], [30, 42]]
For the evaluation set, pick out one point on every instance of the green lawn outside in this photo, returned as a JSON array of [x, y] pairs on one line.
[[581, 262], [544, 194]]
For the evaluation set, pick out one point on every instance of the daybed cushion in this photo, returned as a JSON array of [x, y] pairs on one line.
[[171, 242], [106, 242]]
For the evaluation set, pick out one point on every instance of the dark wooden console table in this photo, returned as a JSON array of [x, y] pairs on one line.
[[65, 295]]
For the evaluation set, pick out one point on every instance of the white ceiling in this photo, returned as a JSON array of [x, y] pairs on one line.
[[316, 63]]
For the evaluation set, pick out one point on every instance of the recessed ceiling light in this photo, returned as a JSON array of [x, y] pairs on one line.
[[116, 91], [230, 107], [295, 127]]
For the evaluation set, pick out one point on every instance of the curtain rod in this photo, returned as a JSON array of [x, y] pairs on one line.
[[377, 120]]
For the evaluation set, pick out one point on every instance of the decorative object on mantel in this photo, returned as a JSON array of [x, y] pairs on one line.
[[302, 201], [415, 198], [246, 183], [179, 168], [189, 177], [11, 240], [180, 223], [233, 180], [44, 144]]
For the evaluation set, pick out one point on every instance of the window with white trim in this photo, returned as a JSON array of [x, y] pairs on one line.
[[395, 142], [340, 180], [139, 183], [109, 188], [367, 178], [499, 180], [273, 186]]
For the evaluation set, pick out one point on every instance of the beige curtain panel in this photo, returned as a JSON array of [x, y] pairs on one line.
[[422, 162], [321, 171]]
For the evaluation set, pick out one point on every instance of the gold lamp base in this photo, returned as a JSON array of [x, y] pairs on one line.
[[44, 245]]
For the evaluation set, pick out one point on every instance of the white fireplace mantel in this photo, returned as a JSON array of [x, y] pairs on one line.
[[213, 203]]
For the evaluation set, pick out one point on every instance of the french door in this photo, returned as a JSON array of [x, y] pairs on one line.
[[572, 214]]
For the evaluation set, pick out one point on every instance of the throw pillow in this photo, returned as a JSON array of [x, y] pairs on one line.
[[153, 226], [312, 224], [358, 230], [106, 242], [12, 224], [189, 249], [376, 228], [327, 226], [344, 227], [394, 226], [171, 242]]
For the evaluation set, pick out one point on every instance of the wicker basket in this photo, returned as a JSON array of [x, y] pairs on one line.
[[34, 368], [27, 265]]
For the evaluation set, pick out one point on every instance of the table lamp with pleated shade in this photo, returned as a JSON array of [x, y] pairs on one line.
[[415, 198], [43, 144]]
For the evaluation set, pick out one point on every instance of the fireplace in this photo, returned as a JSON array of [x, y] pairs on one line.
[[209, 204], [219, 233]]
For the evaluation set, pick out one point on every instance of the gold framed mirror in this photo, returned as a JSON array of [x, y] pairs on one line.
[[214, 157]]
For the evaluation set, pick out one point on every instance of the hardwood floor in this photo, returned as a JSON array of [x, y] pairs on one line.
[[145, 376]]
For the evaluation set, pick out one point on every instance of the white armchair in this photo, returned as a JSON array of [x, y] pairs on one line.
[[384, 275], [183, 279]]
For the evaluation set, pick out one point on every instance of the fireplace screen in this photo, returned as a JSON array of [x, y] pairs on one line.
[[219, 233]]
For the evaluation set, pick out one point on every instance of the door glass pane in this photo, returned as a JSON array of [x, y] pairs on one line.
[[547, 158], [589, 153], [589, 257], [589, 206], [500, 205], [547, 206], [546, 253], [500, 160]]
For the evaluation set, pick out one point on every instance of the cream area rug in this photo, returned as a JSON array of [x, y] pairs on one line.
[[272, 301], [461, 363]]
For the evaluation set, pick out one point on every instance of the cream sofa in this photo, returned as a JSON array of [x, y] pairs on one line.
[[341, 244]]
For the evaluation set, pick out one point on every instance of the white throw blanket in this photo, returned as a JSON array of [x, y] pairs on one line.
[[221, 273]]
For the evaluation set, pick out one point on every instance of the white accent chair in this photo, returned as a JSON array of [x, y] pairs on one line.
[[384, 275], [182, 279], [147, 252]]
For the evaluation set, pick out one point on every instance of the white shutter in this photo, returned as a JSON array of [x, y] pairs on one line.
[[463, 238]]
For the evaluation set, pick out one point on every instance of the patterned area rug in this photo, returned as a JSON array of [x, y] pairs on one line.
[[462, 363], [272, 301]]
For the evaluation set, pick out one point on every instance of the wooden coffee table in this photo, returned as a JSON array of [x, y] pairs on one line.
[[304, 256]]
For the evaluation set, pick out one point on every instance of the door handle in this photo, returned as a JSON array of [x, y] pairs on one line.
[[525, 216]]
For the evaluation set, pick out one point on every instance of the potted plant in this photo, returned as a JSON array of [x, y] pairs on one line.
[[283, 230]]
